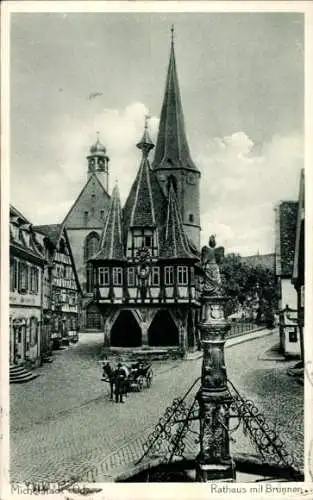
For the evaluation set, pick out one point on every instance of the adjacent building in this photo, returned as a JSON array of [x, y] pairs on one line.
[[285, 235], [61, 298], [84, 224], [298, 274], [27, 265], [145, 271]]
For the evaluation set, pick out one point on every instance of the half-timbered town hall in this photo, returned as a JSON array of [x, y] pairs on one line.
[[144, 270]]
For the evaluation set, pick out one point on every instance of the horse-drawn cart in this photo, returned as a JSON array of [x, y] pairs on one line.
[[140, 376]]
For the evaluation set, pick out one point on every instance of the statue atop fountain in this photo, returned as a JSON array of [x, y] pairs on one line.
[[211, 258]]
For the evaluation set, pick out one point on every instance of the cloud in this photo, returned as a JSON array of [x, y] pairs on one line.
[[64, 173], [240, 185], [241, 188]]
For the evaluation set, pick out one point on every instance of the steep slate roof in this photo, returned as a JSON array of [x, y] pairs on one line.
[[27, 245], [146, 203], [286, 237], [51, 231], [92, 199], [143, 209], [111, 245], [172, 148], [175, 244]]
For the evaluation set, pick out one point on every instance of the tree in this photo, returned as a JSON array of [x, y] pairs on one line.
[[250, 287]]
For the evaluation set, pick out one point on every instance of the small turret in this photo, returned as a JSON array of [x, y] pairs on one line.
[[98, 163]]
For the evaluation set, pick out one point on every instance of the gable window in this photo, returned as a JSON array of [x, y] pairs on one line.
[[117, 276], [91, 245], [104, 277], [131, 276], [191, 218], [168, 275], [155, 276], [182, 275]]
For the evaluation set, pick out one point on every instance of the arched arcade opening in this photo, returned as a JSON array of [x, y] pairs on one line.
[[163, 330], [126, 331]]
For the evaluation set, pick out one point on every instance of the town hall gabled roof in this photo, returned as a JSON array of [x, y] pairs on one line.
[[143, 214], [111, 244], [146, 204], [172, 150], [175, 244]]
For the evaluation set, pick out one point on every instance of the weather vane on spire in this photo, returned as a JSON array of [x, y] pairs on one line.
[[172, 33], [147, 118]]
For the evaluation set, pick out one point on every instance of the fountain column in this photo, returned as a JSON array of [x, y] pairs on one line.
[[214, 462]]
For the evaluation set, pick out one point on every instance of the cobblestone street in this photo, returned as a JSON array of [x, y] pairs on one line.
[[63, 423]]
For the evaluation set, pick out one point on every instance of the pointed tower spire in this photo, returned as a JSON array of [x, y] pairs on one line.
[[142, 214], [175, 242], [111, 246], [172, 148]]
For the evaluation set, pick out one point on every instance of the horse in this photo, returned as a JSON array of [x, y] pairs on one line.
[[109, 374]]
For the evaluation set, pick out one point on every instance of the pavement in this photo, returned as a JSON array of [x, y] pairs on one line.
[[63, 424]]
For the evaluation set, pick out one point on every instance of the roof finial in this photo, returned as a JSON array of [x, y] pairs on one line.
[[172, 34], [146, 144], [147, 118]]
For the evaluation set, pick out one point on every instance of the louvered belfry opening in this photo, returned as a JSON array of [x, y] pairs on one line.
[[125, 331]]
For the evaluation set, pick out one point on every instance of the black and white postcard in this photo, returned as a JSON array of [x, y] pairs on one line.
[[156, 249]]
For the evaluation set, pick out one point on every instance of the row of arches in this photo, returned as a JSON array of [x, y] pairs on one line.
[[126, 331]]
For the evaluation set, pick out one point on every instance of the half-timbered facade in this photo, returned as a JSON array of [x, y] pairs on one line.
[[61, 289], [144, 272]]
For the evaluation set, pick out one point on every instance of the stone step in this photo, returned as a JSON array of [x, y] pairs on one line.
[[19, 374]]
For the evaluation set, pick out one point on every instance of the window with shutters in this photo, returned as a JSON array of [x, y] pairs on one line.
[[168, 275], [23, 278]]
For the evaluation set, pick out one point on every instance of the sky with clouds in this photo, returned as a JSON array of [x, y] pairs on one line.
[[241, 77]]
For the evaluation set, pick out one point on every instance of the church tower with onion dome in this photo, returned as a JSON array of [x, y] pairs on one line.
[[98, 163], [84, 224]]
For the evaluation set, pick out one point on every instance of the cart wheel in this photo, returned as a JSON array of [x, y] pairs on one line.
[[149, 377], [140, 382]]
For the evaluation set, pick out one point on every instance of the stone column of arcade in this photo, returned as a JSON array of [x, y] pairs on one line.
[[214, 462]]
